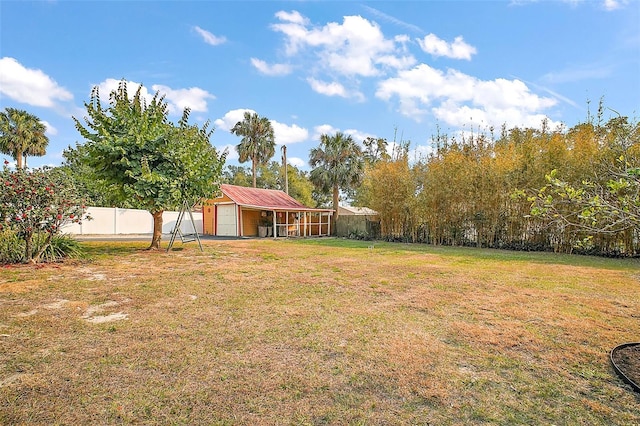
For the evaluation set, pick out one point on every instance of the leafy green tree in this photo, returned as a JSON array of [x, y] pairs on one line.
[[22, 134], [236, 175], [608, 201], [258, 140], [95, 192], [37, 202], [148, 162], [338, 164], [300, 187]]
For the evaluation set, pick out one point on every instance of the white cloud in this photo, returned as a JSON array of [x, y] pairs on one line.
[[30, 86], [329, 89], [334, 89], [458, 99], [209, 38], [50, 131], [323, 129], [109, 85], [356, 47], [295, 161], [610, 5], [285, 134], [327, 129], [273, 69], [435, 46], [230, 119], [294, 28], [357, 135], [177, 99], [232, 153], [293, 17]]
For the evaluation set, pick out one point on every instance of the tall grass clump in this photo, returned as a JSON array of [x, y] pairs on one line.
[[60, 247], [11, 247]]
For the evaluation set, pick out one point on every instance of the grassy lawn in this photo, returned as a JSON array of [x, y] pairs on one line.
[[316, 332]]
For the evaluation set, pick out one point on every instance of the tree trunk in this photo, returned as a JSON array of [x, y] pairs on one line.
[[254, 161], [18, 161], [336, 193], [157, 230], [334, 217]]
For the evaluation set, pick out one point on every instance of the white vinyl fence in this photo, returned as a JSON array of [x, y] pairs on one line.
[[113, 221]]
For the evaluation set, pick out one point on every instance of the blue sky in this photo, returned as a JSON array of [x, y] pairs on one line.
[[391, 69]]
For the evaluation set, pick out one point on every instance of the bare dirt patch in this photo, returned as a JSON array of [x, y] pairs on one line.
[[91, 317], [99, 319]]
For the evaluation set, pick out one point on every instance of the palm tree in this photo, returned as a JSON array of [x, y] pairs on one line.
[[337, 164], [258, 141], [21, 134]]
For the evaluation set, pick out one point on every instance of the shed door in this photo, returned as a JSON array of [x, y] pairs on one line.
[[226, 223]]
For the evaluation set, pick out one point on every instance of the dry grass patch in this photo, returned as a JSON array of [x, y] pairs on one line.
[[316, 332]]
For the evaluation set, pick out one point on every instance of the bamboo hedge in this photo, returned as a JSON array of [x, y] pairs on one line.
[[523, 189]]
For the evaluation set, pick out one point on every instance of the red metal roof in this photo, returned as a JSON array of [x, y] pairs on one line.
[[267, 199]]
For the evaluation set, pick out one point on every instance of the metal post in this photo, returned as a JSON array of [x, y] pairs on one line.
[[284, 164]]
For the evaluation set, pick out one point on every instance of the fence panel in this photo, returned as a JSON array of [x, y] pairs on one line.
[[111, 221], [357, 226]]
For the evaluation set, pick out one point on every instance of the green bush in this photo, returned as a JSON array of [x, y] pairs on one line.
[[11, 247], [62, 246]]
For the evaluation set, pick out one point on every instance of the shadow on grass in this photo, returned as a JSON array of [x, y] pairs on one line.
[[97, 249]]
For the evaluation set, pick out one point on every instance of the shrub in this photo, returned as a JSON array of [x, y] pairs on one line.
[[34, 205], [61, 246], [11, 247]]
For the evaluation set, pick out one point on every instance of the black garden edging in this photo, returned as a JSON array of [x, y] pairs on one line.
[[623, 376]]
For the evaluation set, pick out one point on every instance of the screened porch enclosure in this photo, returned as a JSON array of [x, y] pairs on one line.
[[274, 223]]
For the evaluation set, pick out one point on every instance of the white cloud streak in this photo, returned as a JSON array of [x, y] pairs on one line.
[[586, 72], [209, 38], [271, 69], [379, 14]]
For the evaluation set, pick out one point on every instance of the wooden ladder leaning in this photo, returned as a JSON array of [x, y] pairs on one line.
[[188, 237]]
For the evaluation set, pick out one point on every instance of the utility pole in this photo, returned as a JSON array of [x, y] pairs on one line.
[[284, 164]]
